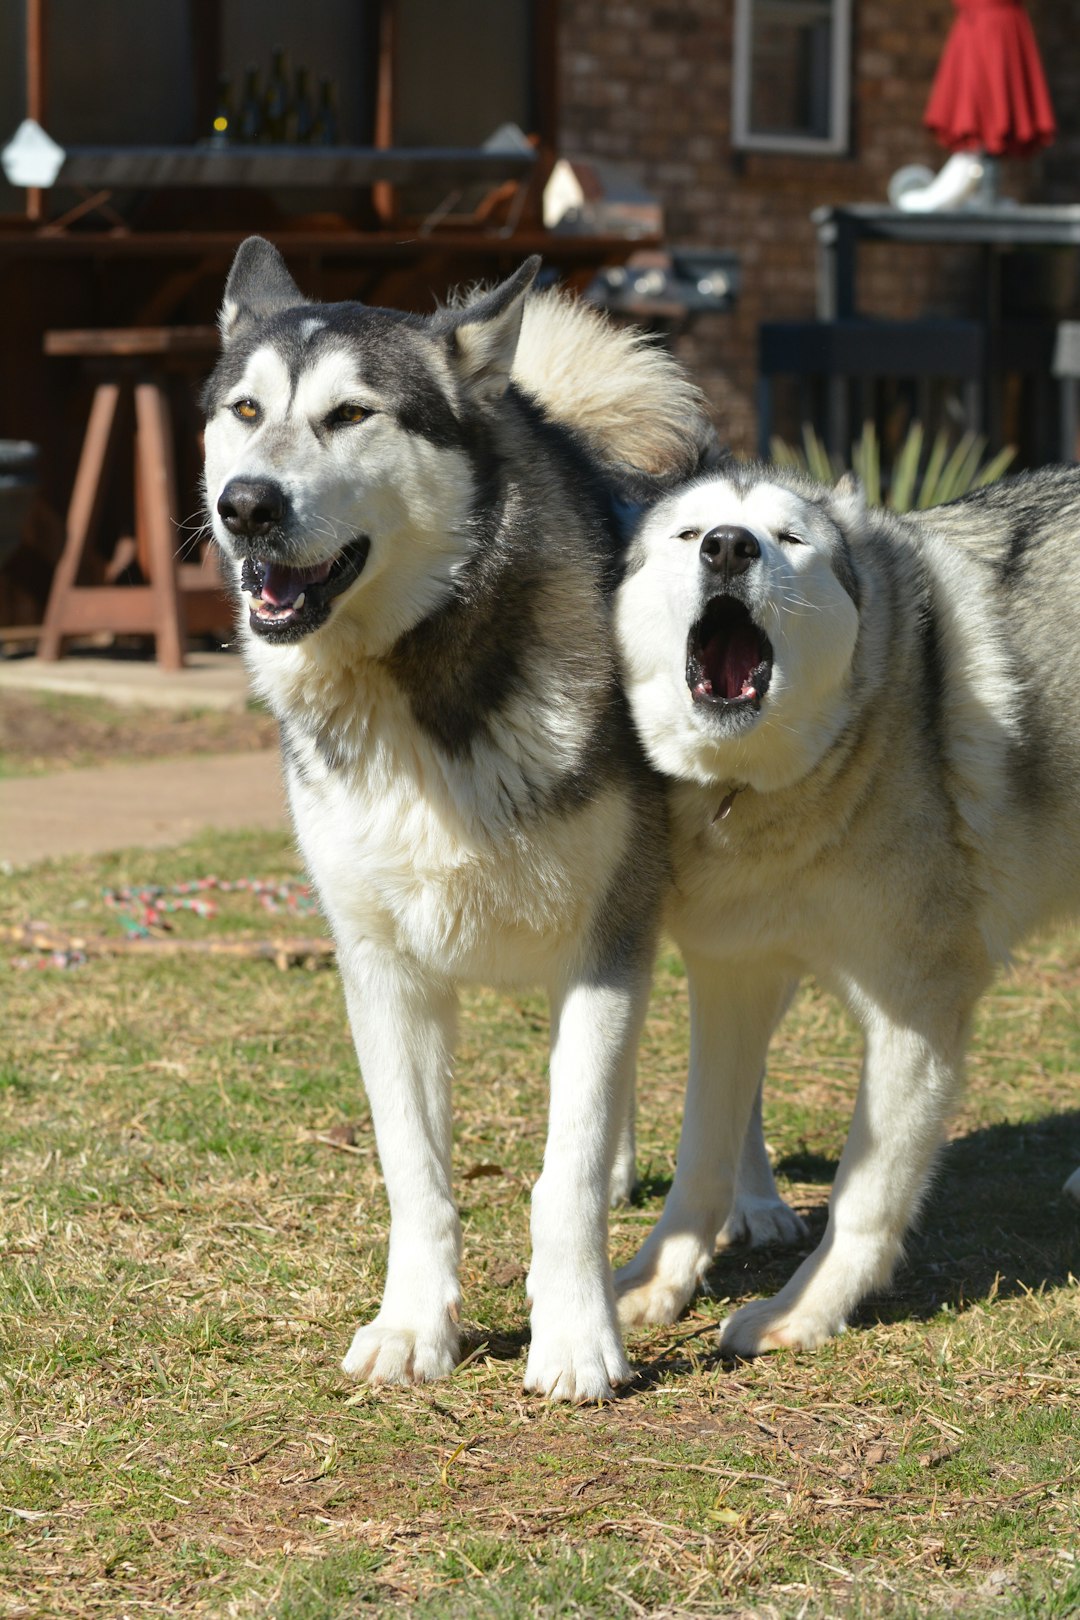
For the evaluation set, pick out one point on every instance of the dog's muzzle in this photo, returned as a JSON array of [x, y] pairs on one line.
[[286, 601], [729, 658]]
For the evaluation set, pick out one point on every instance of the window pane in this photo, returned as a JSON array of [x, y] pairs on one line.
[[791, 67]]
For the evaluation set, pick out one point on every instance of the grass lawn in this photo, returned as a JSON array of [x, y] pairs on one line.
[[192, 1222], [52, 731]]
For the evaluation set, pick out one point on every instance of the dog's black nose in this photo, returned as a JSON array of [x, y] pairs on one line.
[[729, 550], [250, 506]]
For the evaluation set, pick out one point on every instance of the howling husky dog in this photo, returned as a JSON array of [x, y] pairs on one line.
[[419, 516], [872, 725]]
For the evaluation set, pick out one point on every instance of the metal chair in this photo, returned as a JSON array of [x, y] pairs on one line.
[[842, 351]]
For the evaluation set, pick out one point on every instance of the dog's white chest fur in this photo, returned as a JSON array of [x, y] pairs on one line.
[[406, 850]]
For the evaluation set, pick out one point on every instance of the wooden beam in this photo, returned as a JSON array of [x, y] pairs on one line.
[[206, 62], [123, 609], [382, 194], [545, 108], [157, 489], [36, 89], [119, 341], [82, 517]]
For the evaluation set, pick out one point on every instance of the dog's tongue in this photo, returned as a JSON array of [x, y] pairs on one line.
[[730, 659], [281, 586]]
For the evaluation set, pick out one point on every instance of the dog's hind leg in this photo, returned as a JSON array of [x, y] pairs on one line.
[[759, 1215], [576, 1352], [403, 1024], [912, 1077], [733, 1011]]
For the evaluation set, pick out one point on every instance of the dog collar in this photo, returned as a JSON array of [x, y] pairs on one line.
[[727, 801]]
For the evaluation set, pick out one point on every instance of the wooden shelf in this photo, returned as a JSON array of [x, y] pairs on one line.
[[260, 167]]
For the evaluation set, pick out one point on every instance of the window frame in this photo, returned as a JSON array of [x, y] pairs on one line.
[[837, 141]]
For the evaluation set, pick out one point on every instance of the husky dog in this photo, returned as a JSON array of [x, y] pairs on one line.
[[419, 515], [871, 724]]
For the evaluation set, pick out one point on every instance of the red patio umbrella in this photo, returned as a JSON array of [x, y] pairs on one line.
[[990, 93]]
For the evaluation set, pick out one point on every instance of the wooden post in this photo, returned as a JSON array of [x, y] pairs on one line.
[[545, 61], [157, 498], [206, 62], [382, 193], [82, 514], [36, 63]]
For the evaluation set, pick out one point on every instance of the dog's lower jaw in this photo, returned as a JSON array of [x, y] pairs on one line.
[[285, 604]]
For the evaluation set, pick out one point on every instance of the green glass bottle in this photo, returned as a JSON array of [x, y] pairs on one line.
[[278, 98], [303, 111], [325, 131], [250, 120]]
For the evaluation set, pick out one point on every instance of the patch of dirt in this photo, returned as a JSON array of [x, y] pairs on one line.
[[49, 732]]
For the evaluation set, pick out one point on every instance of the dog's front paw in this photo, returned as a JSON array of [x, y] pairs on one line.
[[768, 1324], [655, 1287], [757, 1221], [1072, 1187], [384, 1354], [568, 1366]]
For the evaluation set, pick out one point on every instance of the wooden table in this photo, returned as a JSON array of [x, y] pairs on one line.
[[840, 231], [1023, 346]]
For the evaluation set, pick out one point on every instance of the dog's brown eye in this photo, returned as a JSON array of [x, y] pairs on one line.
[[688, 534], [246, 409], [348, 414], [789, 538]]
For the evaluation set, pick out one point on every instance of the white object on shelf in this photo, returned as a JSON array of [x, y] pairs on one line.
[[31, 158], [917, 190]]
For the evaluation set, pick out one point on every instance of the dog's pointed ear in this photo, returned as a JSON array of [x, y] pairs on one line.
[[259, 285], [484, 336], [849, 501]]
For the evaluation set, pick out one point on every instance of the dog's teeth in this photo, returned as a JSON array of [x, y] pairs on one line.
[[298, 604], [255, 602]]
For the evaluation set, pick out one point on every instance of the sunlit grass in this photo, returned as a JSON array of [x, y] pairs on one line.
[[193, 1221]]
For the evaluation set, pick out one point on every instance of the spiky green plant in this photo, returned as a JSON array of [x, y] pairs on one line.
[[913, 483]]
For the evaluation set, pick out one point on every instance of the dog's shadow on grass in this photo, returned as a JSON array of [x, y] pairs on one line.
[[995, 1223]]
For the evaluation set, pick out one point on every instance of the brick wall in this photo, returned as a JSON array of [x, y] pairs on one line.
[[648, 84], [1057, 26]]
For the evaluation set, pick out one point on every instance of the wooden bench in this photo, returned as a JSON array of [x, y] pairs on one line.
[[839, 352], [177, 598]]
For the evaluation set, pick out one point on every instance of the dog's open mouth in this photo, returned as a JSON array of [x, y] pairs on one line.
[[729, 660], [286, 603]]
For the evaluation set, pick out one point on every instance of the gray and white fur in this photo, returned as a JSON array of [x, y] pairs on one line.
[[419, 517], [873, 731]]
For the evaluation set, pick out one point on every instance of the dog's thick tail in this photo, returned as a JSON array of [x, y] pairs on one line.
[[629, 398]]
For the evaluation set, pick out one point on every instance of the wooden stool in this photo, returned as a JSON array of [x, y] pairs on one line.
[[178, 598]]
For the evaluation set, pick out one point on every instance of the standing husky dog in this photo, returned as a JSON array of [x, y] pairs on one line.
[[872, 723], [423, 545]]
